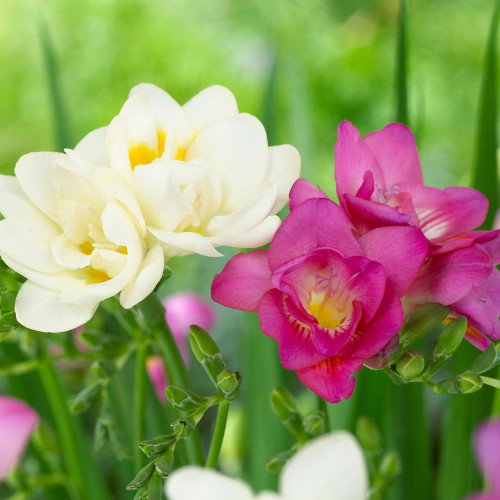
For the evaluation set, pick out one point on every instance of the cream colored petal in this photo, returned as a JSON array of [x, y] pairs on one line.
[[13, 200], [331, 466], [197, 483], [141, 121], [147, 278], [253, 238], [117, 145], [284, 170], [93, 147], [269, 495], [28, 239], [185, 243], [40, 309], [210, 105], [108, 261], [67, 254]]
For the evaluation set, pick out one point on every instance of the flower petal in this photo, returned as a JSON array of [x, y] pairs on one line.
[[93, 147], [329, 467], [13, 201], [185, 243], [303, 190], [42, 310], [198, 483], [243, 281], [487, 446]]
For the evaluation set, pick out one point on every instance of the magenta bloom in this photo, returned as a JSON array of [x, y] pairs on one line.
[[330, 301], [158, 376], [487, 447], [379, 183], [17, 423], [183, 310]]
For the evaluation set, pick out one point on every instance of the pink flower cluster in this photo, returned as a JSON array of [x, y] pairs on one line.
[[334, 285]]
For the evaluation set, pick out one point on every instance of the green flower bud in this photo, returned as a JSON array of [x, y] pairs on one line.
[[86, 399], [183, 427], [142, 477], [411, 364], [314, 424], [422, 321], [275, 464], [142, 493], [157, 445], [182, 399], [229, 383], [155, 487], [102, 369], [485, 361], [165, 462], [282, 403], [202, 344], [390, 466], [368, 434], [447, 387], [469, 383], [451, 337]]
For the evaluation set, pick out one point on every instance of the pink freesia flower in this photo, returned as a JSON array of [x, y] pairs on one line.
[[17, 423], [487, 447], [379, 183], [158, 376], [184, 309], [329, 300]]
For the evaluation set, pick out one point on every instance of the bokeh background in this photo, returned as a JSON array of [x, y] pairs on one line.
[[302, 66]]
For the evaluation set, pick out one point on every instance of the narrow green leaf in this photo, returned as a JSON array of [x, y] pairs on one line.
[[402, 67]]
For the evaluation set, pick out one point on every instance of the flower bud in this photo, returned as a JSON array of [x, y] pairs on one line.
[[282, 403], [157, 445], [451, 337], [142, 477], [411, 364], [447, 387], [182, 399], [202, 344], [469, 383], [155, 487], [229, 383], [314, 424], [275, 464], [368, 434], [183, 427], [86, 399], [422, 321], [165, 462], [102, 369], [390, 466], [485, 361]]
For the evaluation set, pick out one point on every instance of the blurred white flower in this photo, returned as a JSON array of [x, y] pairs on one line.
[[329, 467], [76, 233], [203, 173]]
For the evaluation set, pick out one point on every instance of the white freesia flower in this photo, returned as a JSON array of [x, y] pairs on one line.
[[76, 232], [202, 173], [331, 467]]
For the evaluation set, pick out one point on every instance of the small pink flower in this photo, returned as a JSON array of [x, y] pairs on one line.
[[17, 423], [158, 376], [379, 183], [487, 447], [184, 309], [329, 300]]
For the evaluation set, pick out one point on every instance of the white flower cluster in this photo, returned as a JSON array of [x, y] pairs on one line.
[[161, 180]]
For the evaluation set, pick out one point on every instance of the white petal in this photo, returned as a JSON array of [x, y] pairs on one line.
[[283, 169], [253, 238], [332, 466], [141, 121], [185, 243], [236, 148], [35, 174], [67, 254], [269, 495], [117, 146], [246, 217], [211, 104], [108, 261], [93, 147], [13, 201], [42, 310], [147, 278], [197, 483], [28, 239]]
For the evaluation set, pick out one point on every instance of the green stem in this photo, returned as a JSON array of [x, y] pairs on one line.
[[139, 403], [495, 407], [324, 408], [218, 436]]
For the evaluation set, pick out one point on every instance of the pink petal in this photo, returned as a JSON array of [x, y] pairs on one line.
[[492, 245], [396, 152], [184, 309], [401, 251], [352, 159], [158, 376], [331, 379], [446, 213], [303, 190], [280, 320], [447, 278], [17, 423], [496, 224], [487, 446], [313, 224], [375, 336], [466, 240], [243, 281]]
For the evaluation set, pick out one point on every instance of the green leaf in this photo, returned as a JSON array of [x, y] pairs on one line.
[[402, 67]]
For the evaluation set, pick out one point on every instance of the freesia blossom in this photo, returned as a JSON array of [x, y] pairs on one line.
[[379, 183], [17, 423], [202, 173], [329, 300], [487, 447], [77, 234], [329, 467], [158, 376], [184, 309]]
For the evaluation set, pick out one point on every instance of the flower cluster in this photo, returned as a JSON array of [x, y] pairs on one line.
[[334, 285], [161, 180]]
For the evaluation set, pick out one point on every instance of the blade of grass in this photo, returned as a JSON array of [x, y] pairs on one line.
[[463, 413], [62, 132]]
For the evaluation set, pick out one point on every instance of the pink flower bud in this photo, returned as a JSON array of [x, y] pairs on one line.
[[158, 376]]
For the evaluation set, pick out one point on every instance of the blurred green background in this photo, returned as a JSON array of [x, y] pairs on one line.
[[302, 67]]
